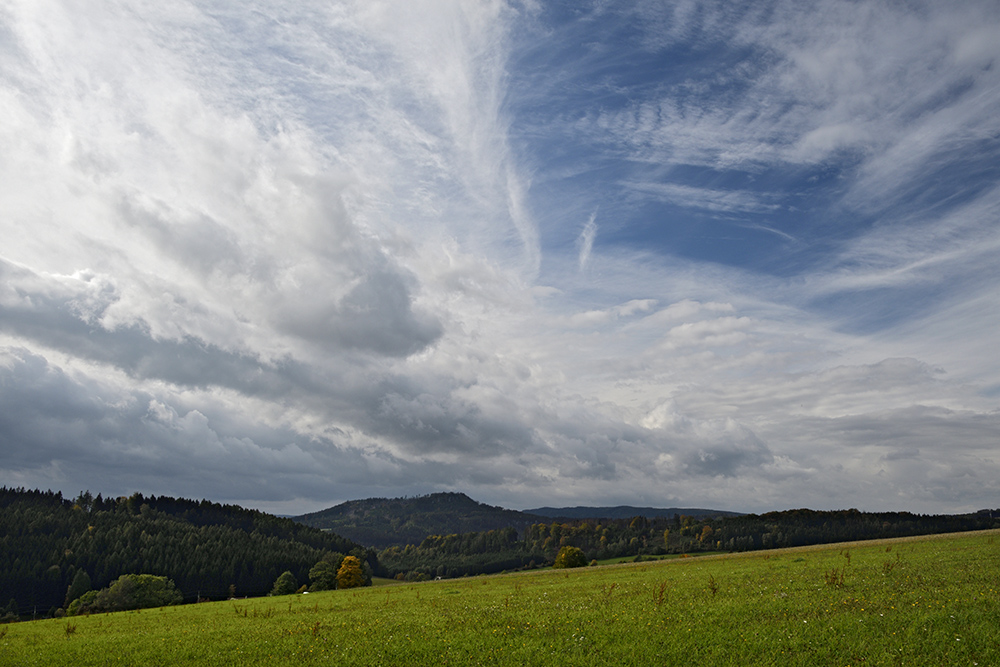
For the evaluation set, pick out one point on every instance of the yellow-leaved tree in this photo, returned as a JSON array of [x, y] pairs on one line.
[[570, 557], [350, 574]]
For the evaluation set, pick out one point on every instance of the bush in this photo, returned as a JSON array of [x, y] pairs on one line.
[[129, 591], [570, 557]]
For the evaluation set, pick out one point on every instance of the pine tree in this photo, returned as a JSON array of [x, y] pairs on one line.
[[81, 584]]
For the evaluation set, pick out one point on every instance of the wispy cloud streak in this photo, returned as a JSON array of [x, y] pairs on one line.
[[293, 253], [586, 240]]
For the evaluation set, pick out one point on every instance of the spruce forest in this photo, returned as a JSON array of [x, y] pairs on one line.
[[208, 550]]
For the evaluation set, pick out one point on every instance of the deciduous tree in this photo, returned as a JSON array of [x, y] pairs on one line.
[[323, 574], [350, 574], [285, 584], [570, 557]]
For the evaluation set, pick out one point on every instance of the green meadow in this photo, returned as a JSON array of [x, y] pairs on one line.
[[915, 601]]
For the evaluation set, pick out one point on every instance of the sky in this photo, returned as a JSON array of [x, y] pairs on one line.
[[285, 254]]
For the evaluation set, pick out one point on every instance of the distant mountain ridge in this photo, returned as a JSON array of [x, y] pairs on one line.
[[387, 522], [627, 512]]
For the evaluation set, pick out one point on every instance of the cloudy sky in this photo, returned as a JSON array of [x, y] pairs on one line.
[[704, 254]]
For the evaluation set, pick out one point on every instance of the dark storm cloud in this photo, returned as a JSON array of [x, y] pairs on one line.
[[94, 434]]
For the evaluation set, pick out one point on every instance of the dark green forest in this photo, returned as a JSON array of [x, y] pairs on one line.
[[208, 550]]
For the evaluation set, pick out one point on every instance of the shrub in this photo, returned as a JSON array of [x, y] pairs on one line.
[[129, 591], [570, 557]]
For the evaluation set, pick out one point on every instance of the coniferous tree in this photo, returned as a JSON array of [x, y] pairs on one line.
[[81, 584]]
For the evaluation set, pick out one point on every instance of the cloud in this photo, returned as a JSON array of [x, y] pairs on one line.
[[296, 254], [586, 240], [705, 199]]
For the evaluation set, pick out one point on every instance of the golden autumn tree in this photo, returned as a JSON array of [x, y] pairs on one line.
[[350, 574]]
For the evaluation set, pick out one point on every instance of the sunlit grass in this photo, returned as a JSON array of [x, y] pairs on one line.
[[926, 601]]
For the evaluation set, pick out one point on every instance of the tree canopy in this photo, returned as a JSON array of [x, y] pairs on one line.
[[323, 575], [285, 584], [570, 557], [129, 591], [350, 574], [207, 549]]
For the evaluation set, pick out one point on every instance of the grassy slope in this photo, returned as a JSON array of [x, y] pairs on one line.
[[926, 601]]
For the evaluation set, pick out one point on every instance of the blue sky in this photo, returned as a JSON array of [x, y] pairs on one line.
[[286, 254]]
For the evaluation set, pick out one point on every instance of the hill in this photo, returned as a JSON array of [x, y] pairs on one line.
[[204, 547], [639, 537], [918, 601], [385, 522], [627, 512]]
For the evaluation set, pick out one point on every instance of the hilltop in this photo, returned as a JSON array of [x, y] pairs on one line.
[[386, 522]]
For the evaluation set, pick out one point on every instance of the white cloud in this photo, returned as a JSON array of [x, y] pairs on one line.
[[586, 240], [288, 255]]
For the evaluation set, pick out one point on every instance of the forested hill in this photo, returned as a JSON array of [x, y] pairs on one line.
[[627, 512], [203, 547], [447, 555], [385, 522]]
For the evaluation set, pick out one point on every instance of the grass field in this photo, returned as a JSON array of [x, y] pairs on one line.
[[916, 601]]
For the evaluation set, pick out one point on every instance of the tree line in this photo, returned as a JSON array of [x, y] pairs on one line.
[[208, 550], [498, 550], [54, 549]]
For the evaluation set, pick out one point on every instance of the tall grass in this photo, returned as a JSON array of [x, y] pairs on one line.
[[919, 601]]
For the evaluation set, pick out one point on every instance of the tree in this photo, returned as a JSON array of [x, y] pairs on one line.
[[285, 584], [83, 604], [129, 591], [81, 584], [9, 614], [570, 557], [323, 575], [350, 574], [147, 590]]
